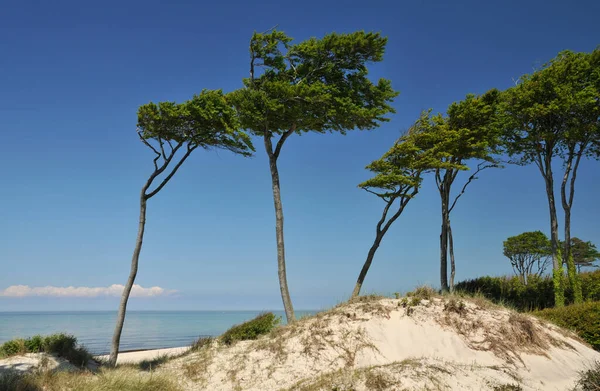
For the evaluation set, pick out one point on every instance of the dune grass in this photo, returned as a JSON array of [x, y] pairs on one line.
[[61, 345], [251, 329], [121, 379], [589, 380]]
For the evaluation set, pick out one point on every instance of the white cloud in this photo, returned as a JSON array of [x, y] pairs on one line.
[[82, 291]]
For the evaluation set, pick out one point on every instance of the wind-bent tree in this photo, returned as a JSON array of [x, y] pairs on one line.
[[526, 251], [577, 78], [173, 131], [318, 85], [585, 254], [467, 133], [554, 113], [397, 179]]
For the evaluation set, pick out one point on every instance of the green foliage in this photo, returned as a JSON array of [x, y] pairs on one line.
[[65, 346], [62, 345], [589, 380], [590, 285], [469, 130], [558, 280], [35, 344], [251, 329], [318, 85], [584, 319], [13, 347], [585, 254], [207, 120], [536, 295], [554, 108], [526, 251]]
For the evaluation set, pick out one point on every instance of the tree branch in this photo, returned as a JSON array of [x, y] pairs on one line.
[[403, 204], [577, 160], [380, 196], [158, 155], [384, 215], [174, 170], [162, 149], [563, 185], [480, 167], [282, 139]]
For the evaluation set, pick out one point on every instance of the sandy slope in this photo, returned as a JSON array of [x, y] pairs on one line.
[[31, 361], [142, 355], [388, 344]]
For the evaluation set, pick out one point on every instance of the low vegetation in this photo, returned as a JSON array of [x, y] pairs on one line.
[[589, 380], [584, 319], [251, 329], [61, 345], [123, 379], [537, 294]]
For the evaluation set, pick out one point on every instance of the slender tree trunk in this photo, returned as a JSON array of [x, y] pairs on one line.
[[444, 237], [567, 203], [283, 285], [366, 266], [557, 269], [114, 349], [452, 264]]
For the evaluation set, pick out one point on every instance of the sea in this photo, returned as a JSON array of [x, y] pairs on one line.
[[142, 330]]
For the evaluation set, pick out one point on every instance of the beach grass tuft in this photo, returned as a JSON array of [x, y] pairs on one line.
[[61, 345]]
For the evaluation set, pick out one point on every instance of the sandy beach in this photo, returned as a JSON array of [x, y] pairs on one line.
[[141, 355]]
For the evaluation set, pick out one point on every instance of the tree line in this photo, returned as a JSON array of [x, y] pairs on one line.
[[529, 252], [322, 86]]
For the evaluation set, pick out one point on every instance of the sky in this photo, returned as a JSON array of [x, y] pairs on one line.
[[73, 73]]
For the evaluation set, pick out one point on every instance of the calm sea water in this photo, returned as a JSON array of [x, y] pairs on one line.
[[143, 329]]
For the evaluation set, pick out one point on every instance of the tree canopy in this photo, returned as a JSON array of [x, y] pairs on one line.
[[528, 253], [585, 254], [318, 85], [554, 113], [207, 120]]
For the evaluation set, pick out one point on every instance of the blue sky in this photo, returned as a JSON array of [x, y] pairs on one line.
[[73, 73]]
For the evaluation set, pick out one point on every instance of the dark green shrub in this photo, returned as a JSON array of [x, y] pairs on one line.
[[61, 345], [34, 344], [13, 347], [536, 295], [589, 380], [590, 285], [251, 329], [584, 319]]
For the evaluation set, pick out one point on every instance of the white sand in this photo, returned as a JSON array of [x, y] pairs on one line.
[[31, 361], [139, 356], [383, 345]]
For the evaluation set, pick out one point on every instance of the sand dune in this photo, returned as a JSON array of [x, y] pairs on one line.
[[395, 344]]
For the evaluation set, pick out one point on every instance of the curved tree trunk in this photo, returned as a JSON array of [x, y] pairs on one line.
[[283, 285], [381, 230], [114, 349], [452, 264], [366, 266]]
